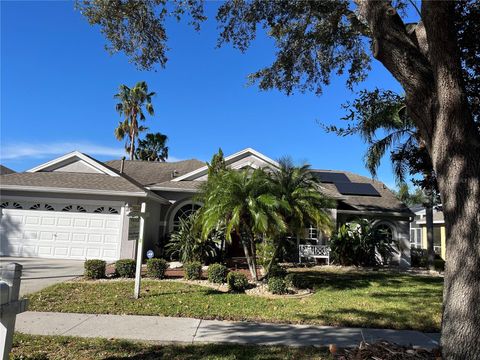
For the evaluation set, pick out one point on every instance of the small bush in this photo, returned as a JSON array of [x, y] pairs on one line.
[[156, 268], [439, 264], [217, 273], [277, 285], [94, 269], [125, 268], [297, 281], [193, 270], [418, 257], [276, 271], [237, 281]]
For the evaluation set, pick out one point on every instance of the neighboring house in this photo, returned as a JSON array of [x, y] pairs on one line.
[[418, 230], [76, 206], [5, 170]]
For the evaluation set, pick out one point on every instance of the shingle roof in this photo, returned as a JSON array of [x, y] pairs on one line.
[[179, 185], [149, 172], [385, 202], [5, 170], [66, 180]]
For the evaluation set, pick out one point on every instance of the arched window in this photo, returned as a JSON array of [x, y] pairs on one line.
[[385, 231], [184, 212]]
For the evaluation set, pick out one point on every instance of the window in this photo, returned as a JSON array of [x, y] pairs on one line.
[[76, 208], [105, 210], [182, 213], [386, 231], [47, 207], [312, 233], [10, 205]]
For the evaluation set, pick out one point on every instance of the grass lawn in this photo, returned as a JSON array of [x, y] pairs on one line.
[[60, 347], [341, 298]]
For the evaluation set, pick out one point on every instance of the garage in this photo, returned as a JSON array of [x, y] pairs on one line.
[[60, 230]]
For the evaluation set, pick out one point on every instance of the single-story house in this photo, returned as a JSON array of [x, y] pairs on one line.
[[76, 207], [418, 230]]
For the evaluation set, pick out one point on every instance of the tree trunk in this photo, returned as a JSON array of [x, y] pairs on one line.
[[132, 144], [430, 242], [429, 70], [252, 266], [272, 260]]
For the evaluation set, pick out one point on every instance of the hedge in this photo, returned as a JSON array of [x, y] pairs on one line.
[[94, 269]]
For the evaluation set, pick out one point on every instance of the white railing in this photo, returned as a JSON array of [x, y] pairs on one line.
[[314, 251]]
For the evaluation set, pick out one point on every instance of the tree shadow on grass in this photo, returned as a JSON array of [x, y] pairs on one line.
[[218, 351], [361, 279], [388, 317]]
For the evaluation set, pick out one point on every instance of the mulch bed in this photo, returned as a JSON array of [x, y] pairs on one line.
[[179, 273]]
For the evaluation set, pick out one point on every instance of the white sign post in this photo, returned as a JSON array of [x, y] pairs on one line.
[[138, 271], [10, 305]]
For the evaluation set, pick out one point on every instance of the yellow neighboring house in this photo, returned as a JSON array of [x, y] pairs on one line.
[[418, 230]]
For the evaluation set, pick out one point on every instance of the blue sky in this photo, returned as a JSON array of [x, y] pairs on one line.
[[58, 82]]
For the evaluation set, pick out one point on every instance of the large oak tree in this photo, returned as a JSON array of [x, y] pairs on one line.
[[430, 59]]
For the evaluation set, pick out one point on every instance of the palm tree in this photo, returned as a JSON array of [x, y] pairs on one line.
[[242, 202], [131, 103], [152, 148], [300, 189]]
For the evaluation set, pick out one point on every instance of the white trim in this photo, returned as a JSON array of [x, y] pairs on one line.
[[162, 188], [95, 164], [228, 160], [424, 222], [72, 190], [142, 194], [63, 200]]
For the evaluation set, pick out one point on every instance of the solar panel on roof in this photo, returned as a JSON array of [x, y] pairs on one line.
[[331, 177], [357, 189]]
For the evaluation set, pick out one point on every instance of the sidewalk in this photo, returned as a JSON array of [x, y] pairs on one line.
[[188, 330]]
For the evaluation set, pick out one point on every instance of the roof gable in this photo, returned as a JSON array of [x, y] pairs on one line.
[[247, 158], [74, 162]]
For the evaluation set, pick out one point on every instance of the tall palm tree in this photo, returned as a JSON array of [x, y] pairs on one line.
[[300, 189], [152, 148], [132, 102], [242, 202]]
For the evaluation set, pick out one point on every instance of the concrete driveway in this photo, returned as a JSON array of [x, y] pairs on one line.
[[40, 273]]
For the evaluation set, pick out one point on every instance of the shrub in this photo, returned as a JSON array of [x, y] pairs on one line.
[[156, 268], [358, 242], [277, 271], [125, 268], [186, 244], [237, 281], [439, 264], [193, 270], [297, 281], [217, 273], [94, 269], [418, 257], [277, 285]]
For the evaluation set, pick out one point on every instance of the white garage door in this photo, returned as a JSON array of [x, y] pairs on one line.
[[74, 232]]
